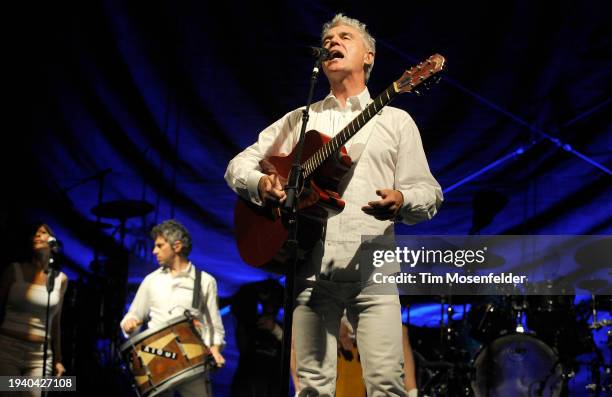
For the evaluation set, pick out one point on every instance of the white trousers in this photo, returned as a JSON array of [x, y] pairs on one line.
[[23, 358], [377, 321]]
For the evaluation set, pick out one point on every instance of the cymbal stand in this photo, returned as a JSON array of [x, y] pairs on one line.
[[443, 327], [594, 307], [99, 176], [449, 317], [607, 382], [519, 308], [598, 384]]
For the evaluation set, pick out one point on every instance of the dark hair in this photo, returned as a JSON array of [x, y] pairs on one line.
[[26, 233], [173, 231], [42, 224]]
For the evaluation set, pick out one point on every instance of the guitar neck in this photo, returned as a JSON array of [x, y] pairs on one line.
[[325, 151]]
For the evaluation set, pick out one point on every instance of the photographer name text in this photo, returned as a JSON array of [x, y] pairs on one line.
[[448, 278]]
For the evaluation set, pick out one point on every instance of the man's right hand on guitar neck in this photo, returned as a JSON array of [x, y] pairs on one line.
[[271, 189]]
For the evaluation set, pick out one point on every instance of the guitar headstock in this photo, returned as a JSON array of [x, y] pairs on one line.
[[419, 74]]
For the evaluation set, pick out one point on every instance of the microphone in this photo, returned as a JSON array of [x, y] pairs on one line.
[[54, 244], [322, 53]]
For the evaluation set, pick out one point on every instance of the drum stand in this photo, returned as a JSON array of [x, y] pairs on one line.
[[598, 384], [445, 376]]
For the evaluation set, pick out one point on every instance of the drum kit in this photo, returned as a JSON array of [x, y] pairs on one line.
[[515, 345]]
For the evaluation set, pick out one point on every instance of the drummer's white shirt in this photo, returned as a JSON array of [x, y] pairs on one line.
[[162, 297]]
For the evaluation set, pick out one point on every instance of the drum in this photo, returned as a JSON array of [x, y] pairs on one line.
[[159, 359], [545, 310], [561, 324], [517, 365]]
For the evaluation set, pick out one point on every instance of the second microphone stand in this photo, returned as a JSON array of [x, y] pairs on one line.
[[51, 274]]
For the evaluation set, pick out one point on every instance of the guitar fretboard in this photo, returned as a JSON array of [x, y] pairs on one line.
[[334, 144]]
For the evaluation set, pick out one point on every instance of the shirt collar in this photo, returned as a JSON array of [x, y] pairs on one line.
[[357, 102], [185, 273]]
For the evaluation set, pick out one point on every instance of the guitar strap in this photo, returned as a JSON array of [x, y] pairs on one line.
[[197, 289]]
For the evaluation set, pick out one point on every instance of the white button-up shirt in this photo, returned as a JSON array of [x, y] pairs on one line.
[[387, 154], [162, 297]]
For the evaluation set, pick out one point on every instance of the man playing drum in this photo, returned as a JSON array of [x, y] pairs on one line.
[[168, 291]]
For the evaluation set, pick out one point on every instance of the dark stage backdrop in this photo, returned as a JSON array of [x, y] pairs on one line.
[[159, 96]]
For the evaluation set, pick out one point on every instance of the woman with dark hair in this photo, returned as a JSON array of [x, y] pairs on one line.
[[23, 311]]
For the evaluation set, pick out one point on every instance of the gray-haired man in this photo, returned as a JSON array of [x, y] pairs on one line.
[[389, 181]]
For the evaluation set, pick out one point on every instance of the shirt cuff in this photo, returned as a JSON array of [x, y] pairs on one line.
[[416, 207], [219, 341], [128, 317], [253, 186]]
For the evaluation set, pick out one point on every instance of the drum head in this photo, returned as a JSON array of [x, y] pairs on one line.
[[517, 365]]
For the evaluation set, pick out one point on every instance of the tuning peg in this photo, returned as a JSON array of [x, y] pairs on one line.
[[417, 92]]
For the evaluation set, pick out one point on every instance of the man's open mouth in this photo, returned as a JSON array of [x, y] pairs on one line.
[[336, 55]]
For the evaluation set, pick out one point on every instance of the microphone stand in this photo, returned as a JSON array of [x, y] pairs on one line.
[[290, 208], [51, 274]]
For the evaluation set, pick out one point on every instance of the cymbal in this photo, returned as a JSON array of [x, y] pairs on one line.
[[139, 230], [593, 285], [122, 209], [606, 291], [491, 261], [101, 225], [596, 254]]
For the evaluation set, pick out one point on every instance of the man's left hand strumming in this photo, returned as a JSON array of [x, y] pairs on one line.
[[388, 207]]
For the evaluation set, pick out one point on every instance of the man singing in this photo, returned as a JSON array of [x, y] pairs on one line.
[[389, 181], [168, 291]]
